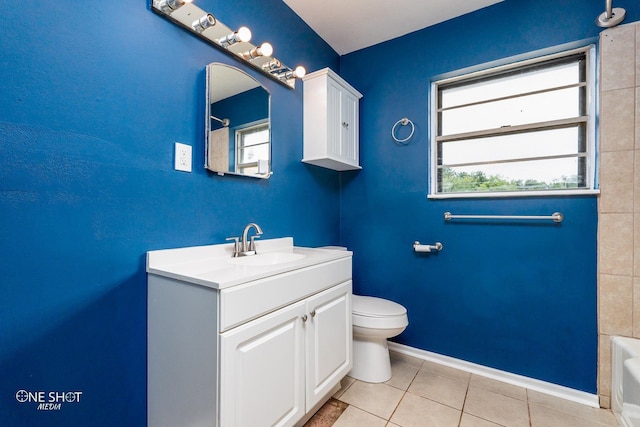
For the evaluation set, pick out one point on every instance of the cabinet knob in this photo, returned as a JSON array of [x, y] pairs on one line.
[[345, 124], [304, 318], [313, 313]]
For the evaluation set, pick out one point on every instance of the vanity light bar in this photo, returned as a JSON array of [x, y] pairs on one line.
[[207, 27]]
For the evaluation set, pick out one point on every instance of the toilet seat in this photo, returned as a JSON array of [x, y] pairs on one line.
[[377, 313], [376, 307]]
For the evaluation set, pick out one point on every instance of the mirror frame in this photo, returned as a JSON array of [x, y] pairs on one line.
[[209, 83]]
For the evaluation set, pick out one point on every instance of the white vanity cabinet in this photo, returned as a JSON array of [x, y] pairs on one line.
[[276, 368], [331, 115], [232, 353]]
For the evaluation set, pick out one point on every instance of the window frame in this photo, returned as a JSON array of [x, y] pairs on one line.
[[505, 66], [240, 132]]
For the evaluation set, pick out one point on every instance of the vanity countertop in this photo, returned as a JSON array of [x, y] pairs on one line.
[[214, 267]]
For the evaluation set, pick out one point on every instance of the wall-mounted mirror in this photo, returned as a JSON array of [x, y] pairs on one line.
[[238, 131]]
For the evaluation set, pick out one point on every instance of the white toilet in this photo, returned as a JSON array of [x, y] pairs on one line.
[[374, 320]]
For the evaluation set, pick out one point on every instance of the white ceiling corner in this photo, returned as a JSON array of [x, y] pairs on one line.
[[351, 25]]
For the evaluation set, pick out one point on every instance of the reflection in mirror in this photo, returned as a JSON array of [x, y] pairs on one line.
[[238, 134]]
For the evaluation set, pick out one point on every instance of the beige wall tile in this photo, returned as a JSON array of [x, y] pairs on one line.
[[636, 181], [617, 47], [604, 366], [617, 119], [615, 244], [604, 401], [636, 307], [636, 244], [637, 119], [617, 181], [637, 25], [617, 307], [614, 304]]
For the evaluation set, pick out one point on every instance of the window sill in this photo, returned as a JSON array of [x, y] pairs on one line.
[[505, 194]]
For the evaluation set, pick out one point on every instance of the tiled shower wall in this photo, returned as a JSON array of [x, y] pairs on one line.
[[619, 202]]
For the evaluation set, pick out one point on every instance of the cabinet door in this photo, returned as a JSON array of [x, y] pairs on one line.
[[349, 138], [335, 127], [328, 340], [262, 371]]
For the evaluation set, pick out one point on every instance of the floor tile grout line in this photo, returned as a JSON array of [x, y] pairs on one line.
[[526, 395], [397, 406], [464, 401], [404, 393]]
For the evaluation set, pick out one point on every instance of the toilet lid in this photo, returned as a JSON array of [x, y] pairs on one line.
[[376, 307]]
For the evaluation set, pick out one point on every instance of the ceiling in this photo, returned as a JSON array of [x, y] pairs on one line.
[[351, 25]]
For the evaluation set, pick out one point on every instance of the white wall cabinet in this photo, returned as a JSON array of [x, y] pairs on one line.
[[267, 352], [331, 116]]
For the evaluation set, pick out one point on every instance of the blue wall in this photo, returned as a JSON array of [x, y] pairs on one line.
[[93, 97], [519, 297]]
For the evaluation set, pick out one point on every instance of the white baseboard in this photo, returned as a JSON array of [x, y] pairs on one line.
[[556, 390]]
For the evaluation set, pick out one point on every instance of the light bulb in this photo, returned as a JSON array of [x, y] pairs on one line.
[[242, 35], [263, 50], [266, 49], [299, 72]]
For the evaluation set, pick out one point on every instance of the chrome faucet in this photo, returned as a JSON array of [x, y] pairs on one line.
[[242, 247], [250, 249]]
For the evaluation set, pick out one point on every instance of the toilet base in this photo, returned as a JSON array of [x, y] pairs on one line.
[[371, 361]]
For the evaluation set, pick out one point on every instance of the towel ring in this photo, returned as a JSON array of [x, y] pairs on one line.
[[404, 121]]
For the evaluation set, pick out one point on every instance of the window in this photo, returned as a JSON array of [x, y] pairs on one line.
[[520, 129], [252, 149]]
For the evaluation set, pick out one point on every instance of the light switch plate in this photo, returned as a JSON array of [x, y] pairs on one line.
[[183, 157]]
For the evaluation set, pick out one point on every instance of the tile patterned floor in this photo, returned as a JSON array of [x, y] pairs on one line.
[[426, 394]]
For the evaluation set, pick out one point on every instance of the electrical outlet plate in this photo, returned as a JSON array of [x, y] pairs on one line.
[[183, 157]]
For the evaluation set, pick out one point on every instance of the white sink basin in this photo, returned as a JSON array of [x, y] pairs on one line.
[[215, 267], [268, 258]]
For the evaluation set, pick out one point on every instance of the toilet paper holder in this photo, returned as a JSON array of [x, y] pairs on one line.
[[418, 247]]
